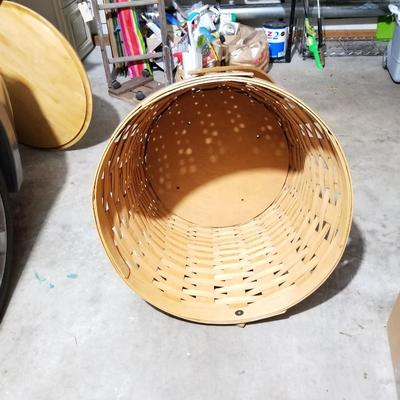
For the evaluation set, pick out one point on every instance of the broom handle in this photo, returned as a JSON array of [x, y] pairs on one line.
[[256, 72], [320, 33]]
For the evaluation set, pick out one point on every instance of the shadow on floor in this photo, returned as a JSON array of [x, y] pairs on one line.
[[340, 278], [104, 121], [44, 177], [89, 65]]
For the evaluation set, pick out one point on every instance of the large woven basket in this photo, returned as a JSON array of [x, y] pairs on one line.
[[223, 199]]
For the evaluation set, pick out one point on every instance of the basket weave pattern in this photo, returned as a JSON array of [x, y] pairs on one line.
[[225, 274]]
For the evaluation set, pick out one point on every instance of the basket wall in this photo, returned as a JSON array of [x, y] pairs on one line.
[[226, 274]]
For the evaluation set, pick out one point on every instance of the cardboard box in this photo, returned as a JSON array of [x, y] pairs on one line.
[[393, 328]]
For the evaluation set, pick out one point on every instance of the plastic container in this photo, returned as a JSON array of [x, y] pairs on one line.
[[277, 38], [393, 53], [192, 60]]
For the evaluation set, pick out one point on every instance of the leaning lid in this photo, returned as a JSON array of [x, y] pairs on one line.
[[48, 86]]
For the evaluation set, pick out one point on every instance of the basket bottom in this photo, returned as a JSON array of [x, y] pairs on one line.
[[217, 157]]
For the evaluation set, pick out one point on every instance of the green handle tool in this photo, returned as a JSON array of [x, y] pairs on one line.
[[312, 44]]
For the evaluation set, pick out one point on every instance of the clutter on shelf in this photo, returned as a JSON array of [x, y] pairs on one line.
[[203, 37], [134, 40], [199, 37], [248, 47]]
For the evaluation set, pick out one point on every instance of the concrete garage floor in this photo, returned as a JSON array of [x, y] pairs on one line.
[[74, 330]]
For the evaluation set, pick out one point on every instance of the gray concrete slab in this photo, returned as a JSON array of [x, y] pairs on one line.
[[74, 330]]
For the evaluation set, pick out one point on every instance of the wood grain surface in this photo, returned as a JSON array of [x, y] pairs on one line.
[[48, 86]]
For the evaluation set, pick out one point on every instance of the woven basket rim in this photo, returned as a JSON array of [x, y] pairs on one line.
[[275, 308]]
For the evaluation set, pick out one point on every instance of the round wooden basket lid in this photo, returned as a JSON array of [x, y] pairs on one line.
[[48, 86]]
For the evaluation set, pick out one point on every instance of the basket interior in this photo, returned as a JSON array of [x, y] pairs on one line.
[[223, 200], [217, 157]]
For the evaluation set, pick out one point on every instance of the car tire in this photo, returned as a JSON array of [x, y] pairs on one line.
[[384, 59], [6, 244]]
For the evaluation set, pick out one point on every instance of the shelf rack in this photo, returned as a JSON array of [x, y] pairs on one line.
[[125, 89]]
